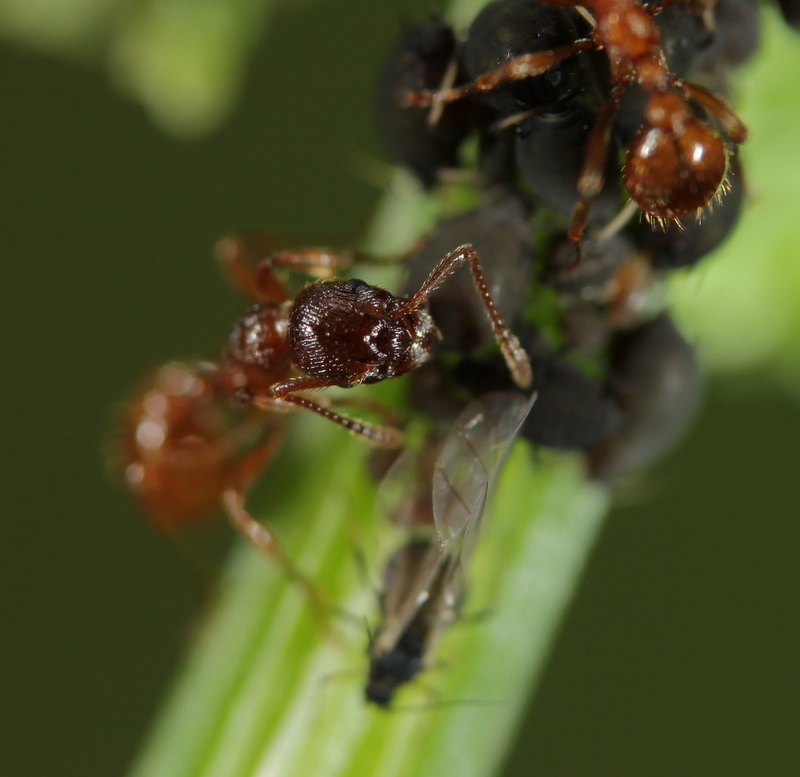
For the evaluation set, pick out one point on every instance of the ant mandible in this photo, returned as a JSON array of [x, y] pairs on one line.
[[676, 163], [338, 332]]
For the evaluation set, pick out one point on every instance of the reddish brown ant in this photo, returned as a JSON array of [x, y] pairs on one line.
[[185, 452], [338, 332], [677, 162]]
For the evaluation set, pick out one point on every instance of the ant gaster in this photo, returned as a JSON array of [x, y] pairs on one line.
[[185, 452], [338, 332], [677, 162]]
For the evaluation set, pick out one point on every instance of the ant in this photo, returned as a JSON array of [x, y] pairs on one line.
[[676, 163], [338, 332], [185, 451]]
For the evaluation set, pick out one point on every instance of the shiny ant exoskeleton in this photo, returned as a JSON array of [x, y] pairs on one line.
[[182, 447], [185, 452], [676, 163], [338, 333]]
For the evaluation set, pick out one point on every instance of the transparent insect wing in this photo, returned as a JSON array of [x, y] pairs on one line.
[[404, 549], [469, 463]]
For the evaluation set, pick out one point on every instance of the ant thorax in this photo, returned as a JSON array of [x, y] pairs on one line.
[[256, 354], [349, 332]]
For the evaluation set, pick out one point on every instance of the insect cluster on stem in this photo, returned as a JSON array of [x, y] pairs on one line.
[[573, 108]]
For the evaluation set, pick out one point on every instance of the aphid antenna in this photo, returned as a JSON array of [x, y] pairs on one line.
[[448, 79], [516, 118], [586, 14], [618, 222]]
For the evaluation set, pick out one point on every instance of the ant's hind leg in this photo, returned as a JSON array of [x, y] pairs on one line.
[[262, 540], [729, 120], [592, 175]]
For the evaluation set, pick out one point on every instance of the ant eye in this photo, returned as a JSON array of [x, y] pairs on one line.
[[354, 285]]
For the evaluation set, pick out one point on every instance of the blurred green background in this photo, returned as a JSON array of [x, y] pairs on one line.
[[680, 655]]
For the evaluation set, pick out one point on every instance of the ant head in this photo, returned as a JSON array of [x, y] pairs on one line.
[[350, 332], [676, 163]]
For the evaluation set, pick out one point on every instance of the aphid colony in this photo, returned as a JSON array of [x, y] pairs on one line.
[[574, 108]]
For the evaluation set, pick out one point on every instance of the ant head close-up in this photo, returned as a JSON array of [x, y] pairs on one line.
[[349, 332]]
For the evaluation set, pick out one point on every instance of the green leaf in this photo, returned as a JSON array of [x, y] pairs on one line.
[[741, 304]]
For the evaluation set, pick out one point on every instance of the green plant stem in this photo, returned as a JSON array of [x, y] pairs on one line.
[[266, 691]]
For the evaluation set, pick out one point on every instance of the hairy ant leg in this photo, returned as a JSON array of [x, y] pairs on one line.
[[516, 69], [286, 394], [266, 543], [592, 176], [513, 353]]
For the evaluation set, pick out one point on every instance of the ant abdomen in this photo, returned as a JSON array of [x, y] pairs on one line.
[[676, 163], [550, 151], [681, 245]]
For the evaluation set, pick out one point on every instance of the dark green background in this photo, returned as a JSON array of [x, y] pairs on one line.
[[680, 655]]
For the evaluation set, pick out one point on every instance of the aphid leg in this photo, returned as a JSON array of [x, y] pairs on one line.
[[592, 176], [514, 354], [249, 260], [285, 393], [717, 107], [523, 66]]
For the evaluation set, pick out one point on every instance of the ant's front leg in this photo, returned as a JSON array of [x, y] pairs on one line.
[[514, 354], [249, 259], [283, 394], [516, 69]]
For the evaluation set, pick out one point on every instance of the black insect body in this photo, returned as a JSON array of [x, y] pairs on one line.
[[424, 579], [407, 656], [573, 410], [508, 28], [654, 375], [421, 60], [550, 154], [791, 12]]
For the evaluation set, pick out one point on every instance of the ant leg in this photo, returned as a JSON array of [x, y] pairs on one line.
[[263, 541], [592, 176], [236, 252], [249, 467], [514, 354], [717, 107], [523, 66], [285, 393]]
